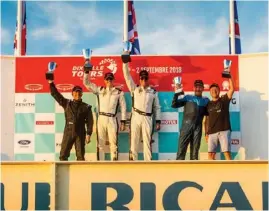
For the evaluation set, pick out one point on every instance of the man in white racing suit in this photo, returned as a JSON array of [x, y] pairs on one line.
[[109, 99], [145, 104]]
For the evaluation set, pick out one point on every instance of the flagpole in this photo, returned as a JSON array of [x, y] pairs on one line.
[[125, 20], [232, 30], [19, 27]]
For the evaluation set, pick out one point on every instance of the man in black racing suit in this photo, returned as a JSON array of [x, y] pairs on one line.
[[77, 115], [194, 112]]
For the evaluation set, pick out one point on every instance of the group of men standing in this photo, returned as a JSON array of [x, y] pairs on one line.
[[215, 114], [145, 112]]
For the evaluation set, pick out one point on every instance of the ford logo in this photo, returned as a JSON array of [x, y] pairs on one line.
[[24, 142]]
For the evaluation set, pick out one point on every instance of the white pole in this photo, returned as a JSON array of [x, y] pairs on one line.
[[232, 36], [19, 21], [125, 20]]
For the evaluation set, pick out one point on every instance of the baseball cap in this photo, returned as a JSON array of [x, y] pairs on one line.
[[77, 89], [109, 76], [198, 83], [214, 85]]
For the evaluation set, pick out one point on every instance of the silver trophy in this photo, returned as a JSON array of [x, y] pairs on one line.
[[87, 54], [227, 66], [127, 48], [51, 68], [177, 82]]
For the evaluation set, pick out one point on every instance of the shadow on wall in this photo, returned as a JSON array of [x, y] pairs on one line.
[[4, 157], [62, 196], [254, 124]]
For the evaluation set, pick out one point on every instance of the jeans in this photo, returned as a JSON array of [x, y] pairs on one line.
[[189, 134]]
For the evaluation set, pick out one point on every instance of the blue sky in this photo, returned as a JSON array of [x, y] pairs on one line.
[[176, 28]]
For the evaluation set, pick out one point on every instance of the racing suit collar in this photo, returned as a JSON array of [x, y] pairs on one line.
[[147, 88], [78, 101], [110, 89]]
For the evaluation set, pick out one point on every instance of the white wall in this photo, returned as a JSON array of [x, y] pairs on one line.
[[253, 79], [7, 107]]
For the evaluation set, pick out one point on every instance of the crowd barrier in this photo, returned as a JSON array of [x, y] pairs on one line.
[[156, 185]]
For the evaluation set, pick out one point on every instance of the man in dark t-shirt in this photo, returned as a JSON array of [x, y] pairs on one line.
[[217, 123]]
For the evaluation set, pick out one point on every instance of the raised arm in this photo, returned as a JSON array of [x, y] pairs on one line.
[[122, 107], [89, 121], [231, 90], [89, 85], [57, 95], [179, 100], [128, 78], [206, 125]]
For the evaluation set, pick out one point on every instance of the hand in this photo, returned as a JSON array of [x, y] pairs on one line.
[[50, 81], [88, 139], [158, 126], [126, 58], [178, 88], [206, 138], [122, 126]]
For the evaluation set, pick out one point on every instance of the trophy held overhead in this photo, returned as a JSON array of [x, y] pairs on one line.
[[87, 53], [127, 48], [51, 68], [227, 66]]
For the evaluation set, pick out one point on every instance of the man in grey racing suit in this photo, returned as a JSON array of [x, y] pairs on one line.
[[109, 99], [145, 103]]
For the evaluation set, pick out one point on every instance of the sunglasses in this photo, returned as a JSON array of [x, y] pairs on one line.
[[109, 79], [144, 78]]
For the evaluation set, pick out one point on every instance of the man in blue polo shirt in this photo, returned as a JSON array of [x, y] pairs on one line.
[[194, 112]]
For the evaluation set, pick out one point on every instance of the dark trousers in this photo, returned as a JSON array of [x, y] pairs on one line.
[[189, 134], [67, 144]]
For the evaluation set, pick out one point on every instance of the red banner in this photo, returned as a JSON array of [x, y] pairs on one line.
[[30, 71]]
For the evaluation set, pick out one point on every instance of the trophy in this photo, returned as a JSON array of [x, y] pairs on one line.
[[227, 65], [127, 48], [177, 83], [87, 53], [51, 68]]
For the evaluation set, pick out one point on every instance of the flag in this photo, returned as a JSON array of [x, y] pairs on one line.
[[23, 32], [236, 32], [132, 29]]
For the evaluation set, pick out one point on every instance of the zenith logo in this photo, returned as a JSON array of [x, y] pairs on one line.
[[25, 103]]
